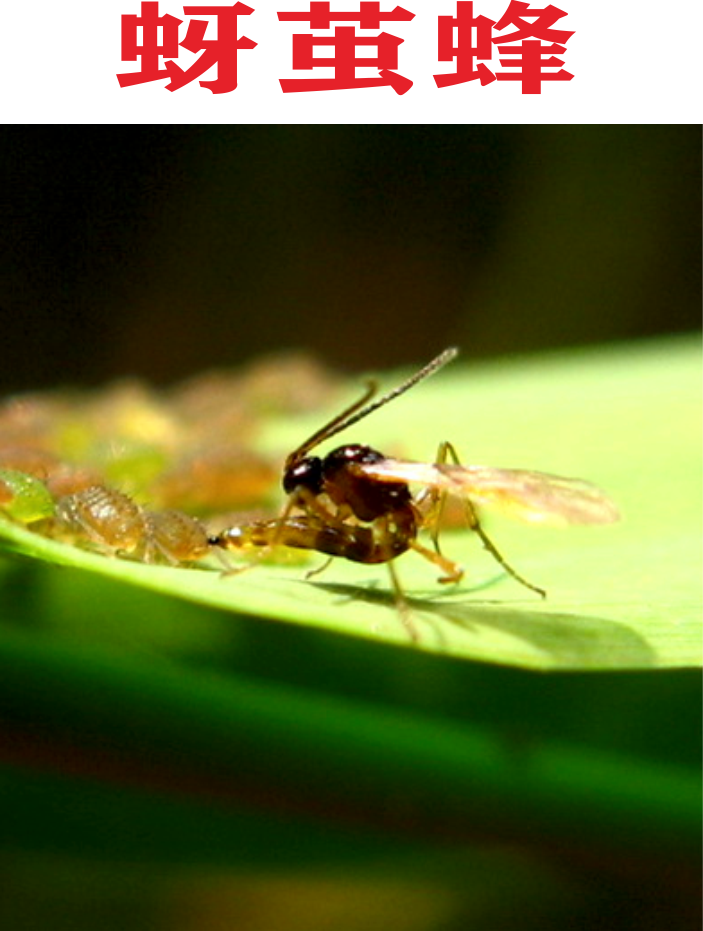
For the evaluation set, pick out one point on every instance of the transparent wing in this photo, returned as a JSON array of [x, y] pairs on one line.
[[536, 497]]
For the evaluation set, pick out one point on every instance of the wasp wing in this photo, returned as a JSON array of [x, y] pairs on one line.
[[536, 497]]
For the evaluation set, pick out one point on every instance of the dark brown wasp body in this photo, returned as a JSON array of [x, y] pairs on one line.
[[356, 503], [354, 494]]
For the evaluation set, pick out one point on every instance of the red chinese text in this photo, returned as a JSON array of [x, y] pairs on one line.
[[221, 51], [343, 49], [522, 50], [527, 54]]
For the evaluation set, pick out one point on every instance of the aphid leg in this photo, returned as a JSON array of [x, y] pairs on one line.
[[448, 450], [151, 550], [94, 537], [402, 604]]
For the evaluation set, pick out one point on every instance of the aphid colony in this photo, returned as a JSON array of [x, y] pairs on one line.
[[115, 523], [105, 518], [178, 457]]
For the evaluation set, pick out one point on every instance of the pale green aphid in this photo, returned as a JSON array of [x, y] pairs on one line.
[[24, 498]]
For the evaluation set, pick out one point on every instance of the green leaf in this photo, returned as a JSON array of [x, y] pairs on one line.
[[151, 720], [623, 596]]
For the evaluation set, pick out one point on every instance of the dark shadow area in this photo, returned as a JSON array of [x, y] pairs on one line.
[[569, 640], [162, 250]]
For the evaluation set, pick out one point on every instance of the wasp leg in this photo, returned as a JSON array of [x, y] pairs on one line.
[[311, 504], [228, 568], [311, 573], [448, 450], [432, 500], [453, 571], [402, 605]]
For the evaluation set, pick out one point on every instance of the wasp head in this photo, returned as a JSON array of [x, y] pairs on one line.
[[306, 473]]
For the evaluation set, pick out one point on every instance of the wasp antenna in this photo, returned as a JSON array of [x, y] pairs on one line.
[[353, 414], [331, 427], [434, 366]]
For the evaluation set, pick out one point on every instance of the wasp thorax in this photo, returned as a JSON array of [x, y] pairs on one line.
[[346, 484]]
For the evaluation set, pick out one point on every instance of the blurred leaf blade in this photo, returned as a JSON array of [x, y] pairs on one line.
[[270, 755]]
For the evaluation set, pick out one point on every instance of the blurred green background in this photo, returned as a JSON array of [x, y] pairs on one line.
[[160, 250]]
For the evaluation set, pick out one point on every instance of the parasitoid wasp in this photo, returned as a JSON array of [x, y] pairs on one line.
[[356, 503]]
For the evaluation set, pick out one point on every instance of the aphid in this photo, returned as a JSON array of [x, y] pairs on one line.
[[30, 420], [60, 478], [220, 478], [106, 517], [175, 536], [286, 382], [355, 502], [67, 479], [30, 460], [115, 523], [23, 497]]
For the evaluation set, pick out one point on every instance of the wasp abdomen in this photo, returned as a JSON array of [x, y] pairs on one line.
[[358, 544]]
